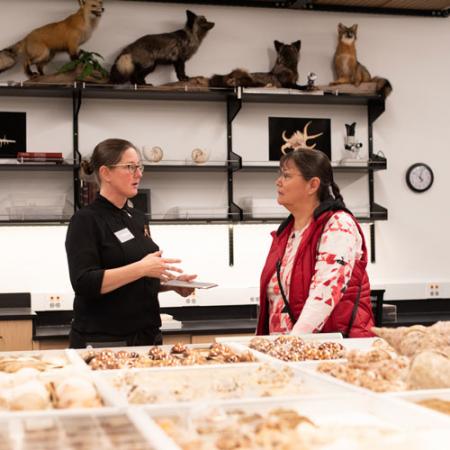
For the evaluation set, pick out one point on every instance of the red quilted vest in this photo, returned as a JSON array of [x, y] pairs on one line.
[[302, 273]]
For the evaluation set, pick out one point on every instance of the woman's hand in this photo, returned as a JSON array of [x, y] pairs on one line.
[[185, 291], [154, 266]]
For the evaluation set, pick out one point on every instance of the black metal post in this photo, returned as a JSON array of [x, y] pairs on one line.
[[234, 104], [76, 105], [372, 242], [375, 109]]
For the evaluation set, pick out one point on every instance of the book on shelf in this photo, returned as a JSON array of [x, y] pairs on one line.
[[32, 155], [40, 160], [40, 157]]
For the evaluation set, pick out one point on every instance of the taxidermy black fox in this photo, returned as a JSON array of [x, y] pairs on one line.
[[39, 46], [347, 67], [141, 57], [284, 73]]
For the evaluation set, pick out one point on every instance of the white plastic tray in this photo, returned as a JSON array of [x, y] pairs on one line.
[[205, 383], [77, 359], [108, 429], [349, 344], [260, 356], [415, 425], [107, 399], [312, 368], [307, 337], [40, 354], [414, 396]]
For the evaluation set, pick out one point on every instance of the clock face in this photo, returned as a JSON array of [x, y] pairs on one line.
[[419, 177]]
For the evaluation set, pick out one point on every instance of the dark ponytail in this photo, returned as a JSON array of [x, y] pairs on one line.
[[86, 167], [336, 192], [314, 163]]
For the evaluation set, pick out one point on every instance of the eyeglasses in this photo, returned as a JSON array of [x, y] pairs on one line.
[[130, 167], [287, 176]]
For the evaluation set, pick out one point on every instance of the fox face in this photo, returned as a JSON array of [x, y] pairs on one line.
[[347, 34], [95, 7], [198, 24]]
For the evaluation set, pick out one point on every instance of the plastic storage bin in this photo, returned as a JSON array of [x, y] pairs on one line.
[[34, 206]]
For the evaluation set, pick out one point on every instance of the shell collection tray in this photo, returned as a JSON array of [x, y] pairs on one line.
[[227, 396]]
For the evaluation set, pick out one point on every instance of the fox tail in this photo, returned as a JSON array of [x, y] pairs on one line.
[[237, 77], [384, 87], [122, 69], [10, 55]]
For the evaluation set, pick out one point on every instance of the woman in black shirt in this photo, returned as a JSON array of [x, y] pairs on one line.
[[115, 267]]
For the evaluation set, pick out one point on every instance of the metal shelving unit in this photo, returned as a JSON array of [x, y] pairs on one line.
[[37, 167], [431, 8], [234, 100], [375, 107]]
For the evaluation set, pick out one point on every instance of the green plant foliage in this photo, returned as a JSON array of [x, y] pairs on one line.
[[90, 66]]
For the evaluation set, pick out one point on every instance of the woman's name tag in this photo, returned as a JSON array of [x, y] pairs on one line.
[[124, 235]]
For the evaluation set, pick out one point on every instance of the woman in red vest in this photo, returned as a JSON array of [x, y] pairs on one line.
[[314, 279]]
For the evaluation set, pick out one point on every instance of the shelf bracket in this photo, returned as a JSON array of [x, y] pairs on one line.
[[234, 104], [235, 161], [376, 107]]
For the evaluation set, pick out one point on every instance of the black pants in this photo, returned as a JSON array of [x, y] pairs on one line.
[[151, 336]]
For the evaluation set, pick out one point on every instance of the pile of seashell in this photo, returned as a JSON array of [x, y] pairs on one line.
[[293, 348], [158, 357]]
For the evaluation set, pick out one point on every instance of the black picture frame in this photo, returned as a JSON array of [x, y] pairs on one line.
[[287, 126], [142, 201], [13, 133]]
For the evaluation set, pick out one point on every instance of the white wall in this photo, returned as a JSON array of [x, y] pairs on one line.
[[412, 246]]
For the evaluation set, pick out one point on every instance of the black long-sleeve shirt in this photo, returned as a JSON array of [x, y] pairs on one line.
[[100, 237]]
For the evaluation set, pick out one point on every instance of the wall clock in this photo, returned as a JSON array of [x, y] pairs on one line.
[[419, 177]]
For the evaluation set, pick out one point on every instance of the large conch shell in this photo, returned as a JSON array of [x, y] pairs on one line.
[[13, 364], [429, 370], [32, 395], [153, 154], [76, 392], [410, 341]]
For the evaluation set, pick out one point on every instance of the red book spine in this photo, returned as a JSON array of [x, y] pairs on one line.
[[31, 155]]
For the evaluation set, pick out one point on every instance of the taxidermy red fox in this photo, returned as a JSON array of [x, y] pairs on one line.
[[284, 73], [39, 46], [347, 67], [140, 58]]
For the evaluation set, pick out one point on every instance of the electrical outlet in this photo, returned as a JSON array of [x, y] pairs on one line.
[[51, 302], [434, 290]]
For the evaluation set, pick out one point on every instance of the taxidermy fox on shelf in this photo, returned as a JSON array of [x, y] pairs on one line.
[[39, 46], [348, 69], [141, 57], [284, 73]]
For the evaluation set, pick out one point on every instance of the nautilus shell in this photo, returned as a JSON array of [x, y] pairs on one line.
[[199, 156], [153, 154]]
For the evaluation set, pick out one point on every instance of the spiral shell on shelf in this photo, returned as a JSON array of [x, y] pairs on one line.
[[199, 155], [153, 154]]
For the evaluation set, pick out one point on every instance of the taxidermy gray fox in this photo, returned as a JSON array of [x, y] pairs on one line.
[[141, 57], [348, 69], [39, 46], [284, 73]]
